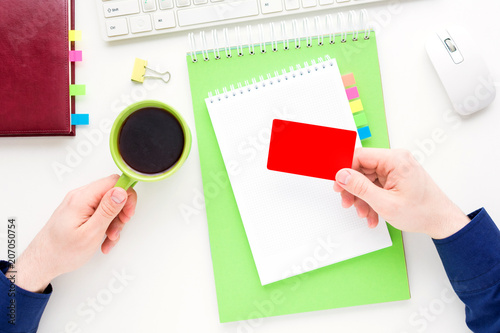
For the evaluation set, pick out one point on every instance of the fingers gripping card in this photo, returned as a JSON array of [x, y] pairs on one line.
[[310, 150]]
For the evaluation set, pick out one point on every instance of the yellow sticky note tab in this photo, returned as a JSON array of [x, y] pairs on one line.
[[74, 35], [139, 70], [356, 106]]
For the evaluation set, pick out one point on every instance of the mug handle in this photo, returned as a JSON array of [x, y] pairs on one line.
[[125, 182]]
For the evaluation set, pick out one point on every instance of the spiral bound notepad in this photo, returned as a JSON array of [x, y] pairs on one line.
[[220, 60], [289, 218]]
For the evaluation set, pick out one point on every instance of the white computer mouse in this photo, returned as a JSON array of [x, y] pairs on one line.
[[458, 62]]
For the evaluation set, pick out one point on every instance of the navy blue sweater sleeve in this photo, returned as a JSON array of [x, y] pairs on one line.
[[20, 310], [471, 258]]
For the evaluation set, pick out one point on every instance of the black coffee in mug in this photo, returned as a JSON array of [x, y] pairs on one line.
[[151, 140]]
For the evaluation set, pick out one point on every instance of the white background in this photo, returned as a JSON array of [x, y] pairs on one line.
[[168, 255]]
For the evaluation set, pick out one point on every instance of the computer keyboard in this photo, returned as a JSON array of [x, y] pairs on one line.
[[124, 19]]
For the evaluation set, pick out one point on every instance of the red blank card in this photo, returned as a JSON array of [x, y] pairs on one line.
[[310, 150]]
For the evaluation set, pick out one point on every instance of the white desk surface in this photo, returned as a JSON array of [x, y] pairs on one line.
[[169, 257]]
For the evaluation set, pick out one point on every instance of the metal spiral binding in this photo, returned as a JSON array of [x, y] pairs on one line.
[[239, 46], [329, 26], [274, 42], [204, 50], [286, 41], [296, 34], [363, 17], [352, 23], [216, 49], [308, 35], [227, 47], [319, 33], [276, 79], [262, 42], [251, 45], [192, 42], [342, 27]]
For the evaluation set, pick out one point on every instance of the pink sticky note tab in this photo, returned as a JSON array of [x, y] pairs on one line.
[[352, 93], [75, 55]]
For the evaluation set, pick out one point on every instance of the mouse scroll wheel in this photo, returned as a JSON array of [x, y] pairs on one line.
[[450, 45]]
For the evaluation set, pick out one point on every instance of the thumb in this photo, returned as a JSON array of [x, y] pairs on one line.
[[360, 186], [110, 206]]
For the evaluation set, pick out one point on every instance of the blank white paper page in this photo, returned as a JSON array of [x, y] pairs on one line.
[[294, 224]]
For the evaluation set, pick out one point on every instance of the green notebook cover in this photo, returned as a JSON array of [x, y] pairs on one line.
[[372, 278]]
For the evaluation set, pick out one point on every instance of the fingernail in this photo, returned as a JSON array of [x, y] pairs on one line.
[[118, 196], [117, 234], [343, 177]]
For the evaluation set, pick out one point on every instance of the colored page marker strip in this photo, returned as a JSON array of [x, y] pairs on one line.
[[77, 89], [75, 56], [360, 119], [352, 93], [356, 106], [74, 35], [364, 133], [348, 80], [79, 119]]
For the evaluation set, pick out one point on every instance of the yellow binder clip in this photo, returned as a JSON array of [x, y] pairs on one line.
[[139, 72]]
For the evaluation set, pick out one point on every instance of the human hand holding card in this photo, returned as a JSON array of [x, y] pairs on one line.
[[310, 150]]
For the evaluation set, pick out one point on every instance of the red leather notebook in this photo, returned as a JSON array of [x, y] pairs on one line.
[[35, 72]]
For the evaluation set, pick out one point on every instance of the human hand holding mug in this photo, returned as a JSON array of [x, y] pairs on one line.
[[149, 141], [89, 217]]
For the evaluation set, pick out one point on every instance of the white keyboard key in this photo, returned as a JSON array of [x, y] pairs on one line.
[[216, 0], [117, 8], [217, 12], [140, 23], [325, 2], [116, 27], [183, 3], [342, 0], [148, 5], [291, 4], [166, 4], [199, 2], [270, 6], [164, 20], [309, 3]]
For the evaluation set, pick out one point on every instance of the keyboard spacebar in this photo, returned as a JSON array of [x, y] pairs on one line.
[[218, 12]]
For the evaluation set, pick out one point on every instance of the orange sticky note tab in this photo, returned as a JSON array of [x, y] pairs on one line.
[[348, 80], [74, 35], [356, 106]]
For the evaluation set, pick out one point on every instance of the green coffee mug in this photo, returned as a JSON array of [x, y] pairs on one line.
[[130, 176]]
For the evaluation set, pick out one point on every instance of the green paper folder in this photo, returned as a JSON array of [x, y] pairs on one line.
[[372, 278]]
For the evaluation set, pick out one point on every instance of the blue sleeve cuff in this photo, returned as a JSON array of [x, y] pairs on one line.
[[20, 310], [471, 256]]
